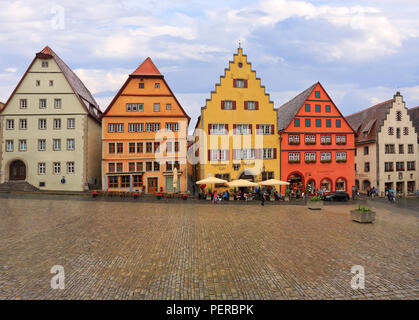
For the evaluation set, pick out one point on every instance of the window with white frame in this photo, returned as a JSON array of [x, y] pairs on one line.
[[70, 167], [228, 105], [42, 103], [135, 127], [23, 103], [22, 145], [9, 145], [243, 129], [10, 124], [245, 154], [294, 138], [71, 123], [23, 124], [57, 123], [325, 139], [390, 131], [310, 156], [251, 105], [119, 127], [111, 127], [57, 167], [405, 131], [218, 128], [218, 155], [42, 124], [70, 144], [239, 83], [156, 107], [340, 156], [265, 129], [172, 126], [57, 103], [42, 145], [268, 153], [325, 156], [294, 156], [41, 168], [341, 139], [310, 138], [56, 144]]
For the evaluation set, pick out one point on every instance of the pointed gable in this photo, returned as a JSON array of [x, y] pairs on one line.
[[147, 68], [83, 94]]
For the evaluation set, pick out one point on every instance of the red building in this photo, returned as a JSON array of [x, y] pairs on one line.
[[317, 144]]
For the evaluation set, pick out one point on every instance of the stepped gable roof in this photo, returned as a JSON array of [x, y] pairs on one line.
[[288, 110], [83, 94], [366, 123], [414, 117]]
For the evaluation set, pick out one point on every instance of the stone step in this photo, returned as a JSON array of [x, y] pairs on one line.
[[17, 186]]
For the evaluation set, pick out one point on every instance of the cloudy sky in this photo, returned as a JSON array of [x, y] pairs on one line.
[[361, 51]]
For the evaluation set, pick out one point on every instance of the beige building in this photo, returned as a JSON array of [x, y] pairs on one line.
[[386, 147], [51, 129], [414, 117]]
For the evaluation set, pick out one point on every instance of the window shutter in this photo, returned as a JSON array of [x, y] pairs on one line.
[[257, 129], [245, 105], [209, 155], [234, 105], [209, 128], [257, 105], [234, 129], [226, 128], [274, 153], [234, 154], [250, 127], [234, 83], [227, 154], [272, 129], [245, 83], [222, 104]]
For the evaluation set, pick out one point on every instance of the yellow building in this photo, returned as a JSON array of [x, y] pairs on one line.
[[235, 136]]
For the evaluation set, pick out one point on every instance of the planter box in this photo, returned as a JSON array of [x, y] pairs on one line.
[[231, 198], [286, 198], [208, 197], [272, 199], [363, 217], [315, 205]]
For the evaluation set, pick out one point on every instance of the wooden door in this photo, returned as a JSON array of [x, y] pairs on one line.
[[17, 170], [152, 185]]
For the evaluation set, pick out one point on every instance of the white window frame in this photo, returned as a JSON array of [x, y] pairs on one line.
[[23, 146], [42, 103], [23, 124], [218, 128], [265, 129], [228, 105], [57, 103], [293, 156], [240, 83], [119, 127], [325, 156], [10, 124], [56, 167], [311, 138], [156, 107], [23, 104], [268, 153], [56, 143], [71, 123], [42, 168], [42, 123], [57, 124], [42, 145], [251, 105], [218, 155], [70, 167], [71, 144], [9, 145]]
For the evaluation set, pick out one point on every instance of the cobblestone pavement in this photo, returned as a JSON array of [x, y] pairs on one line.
[[113, 250]]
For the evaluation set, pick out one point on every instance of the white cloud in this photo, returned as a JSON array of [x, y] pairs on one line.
[[98, 81]]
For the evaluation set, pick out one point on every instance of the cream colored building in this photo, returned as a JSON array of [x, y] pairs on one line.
[[51, 129], [386, 147]]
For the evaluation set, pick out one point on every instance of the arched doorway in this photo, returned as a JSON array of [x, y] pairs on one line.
[[17, 171], [357, 184], [311, 186], [366, 184], [326, 185], [248, 174], [340, 184], [296, 180]]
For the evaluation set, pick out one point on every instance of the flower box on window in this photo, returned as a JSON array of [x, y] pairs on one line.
[[341, 160], [310, 161], [326, 142], [293, 161], [294, 142], [325, 161], [310, 142], [341, 142]]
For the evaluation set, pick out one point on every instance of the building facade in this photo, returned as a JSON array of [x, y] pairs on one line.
[[414, 117], [144, 136], [317, 144], [235, 136], [51, 129], [386, 147]]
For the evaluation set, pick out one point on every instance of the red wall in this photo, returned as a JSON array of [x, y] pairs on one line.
[[318, 171]]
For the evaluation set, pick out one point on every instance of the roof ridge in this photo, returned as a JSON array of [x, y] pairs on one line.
[[147, 68], [369, 108]]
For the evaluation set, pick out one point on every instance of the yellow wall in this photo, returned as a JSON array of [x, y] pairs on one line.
[[213, 113]]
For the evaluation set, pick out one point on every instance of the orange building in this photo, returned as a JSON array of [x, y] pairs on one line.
[[144, 136], [317, 143]]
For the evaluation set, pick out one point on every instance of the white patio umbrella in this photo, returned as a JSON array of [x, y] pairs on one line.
[[211, 180], [175, 179], [241, 183], [273, 182]]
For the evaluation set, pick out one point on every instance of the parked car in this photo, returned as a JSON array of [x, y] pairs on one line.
[[336, 196]]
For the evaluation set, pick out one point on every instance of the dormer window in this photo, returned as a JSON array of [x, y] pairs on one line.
[[44, 64], [141, 85], [51, 83]]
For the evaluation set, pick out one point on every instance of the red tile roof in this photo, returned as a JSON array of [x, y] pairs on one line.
[[147, 68], [47, 50]]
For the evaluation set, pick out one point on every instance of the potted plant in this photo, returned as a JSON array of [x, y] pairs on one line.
[[315, 203], [136, 195], [159, 196], [230, 195], [94, 194], [209, 194], [363, 214]]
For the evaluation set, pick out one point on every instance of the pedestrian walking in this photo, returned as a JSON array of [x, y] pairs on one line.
[[263, 198]]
